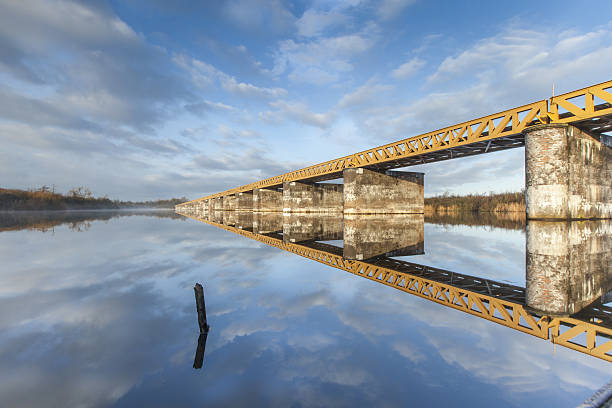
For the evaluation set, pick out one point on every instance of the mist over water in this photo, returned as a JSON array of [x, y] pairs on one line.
[[99, 310]]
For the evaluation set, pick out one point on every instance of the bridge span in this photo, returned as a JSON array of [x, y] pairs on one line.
[[568, 164]]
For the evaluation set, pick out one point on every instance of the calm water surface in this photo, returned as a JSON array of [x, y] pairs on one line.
[[99, 310]]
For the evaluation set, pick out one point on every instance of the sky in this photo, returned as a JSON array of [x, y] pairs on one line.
[[149, 99]]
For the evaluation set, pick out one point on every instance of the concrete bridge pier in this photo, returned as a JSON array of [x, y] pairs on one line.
[[383, 192], [198, 208], [569, 264], [244, 201], [202, 207], [217, 204], [568, 174], [229, 202], [300, 197], [268, 200]]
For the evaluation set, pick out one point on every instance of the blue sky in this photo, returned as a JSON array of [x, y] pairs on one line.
[[151, 99]]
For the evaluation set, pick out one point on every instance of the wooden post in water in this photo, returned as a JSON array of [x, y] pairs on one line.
[[201, 308], [199, 357], [204, 327]]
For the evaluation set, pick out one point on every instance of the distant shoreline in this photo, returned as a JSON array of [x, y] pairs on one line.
[[77, 199], [135, 209], [447, 204]]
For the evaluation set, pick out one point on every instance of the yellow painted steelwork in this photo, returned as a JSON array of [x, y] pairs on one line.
[[572, 107], [564, 331]]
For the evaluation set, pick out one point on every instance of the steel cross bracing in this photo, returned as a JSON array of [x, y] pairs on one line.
[[494, 301], [588, 108]]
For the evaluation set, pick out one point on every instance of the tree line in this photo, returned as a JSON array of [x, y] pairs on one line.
[[474, 203], [77, 198]]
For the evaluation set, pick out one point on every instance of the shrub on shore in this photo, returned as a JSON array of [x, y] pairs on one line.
[[492, 202]]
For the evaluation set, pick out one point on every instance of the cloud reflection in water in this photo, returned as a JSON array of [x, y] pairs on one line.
[[106, 317]]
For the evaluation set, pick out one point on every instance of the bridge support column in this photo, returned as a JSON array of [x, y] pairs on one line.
[[244, 201], [202, 207], [390, 192], [568, 264], [217, 204], [568, 174], [267, 200], [301, 197], [229, 203]]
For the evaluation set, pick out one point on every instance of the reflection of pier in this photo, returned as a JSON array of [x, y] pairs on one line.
[[568, 264], [369, 236], [300, 228], [589, 330]]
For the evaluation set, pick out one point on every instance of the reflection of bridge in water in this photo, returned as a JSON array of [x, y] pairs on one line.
[[567, 270]]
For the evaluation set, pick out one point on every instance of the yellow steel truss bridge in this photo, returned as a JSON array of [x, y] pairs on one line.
[[589, 331], [588, 108]]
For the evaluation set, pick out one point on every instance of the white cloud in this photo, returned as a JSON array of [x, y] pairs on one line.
[[313, 23], [392, 8], [43, 23], [235, 87], [323, 60], [208, 106], [204, 75], [408, 69], [409, 351], [269, 15], [368, 93], [529, 59], [299, 112]]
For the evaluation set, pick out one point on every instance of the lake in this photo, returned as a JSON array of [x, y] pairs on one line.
[[98, 309]]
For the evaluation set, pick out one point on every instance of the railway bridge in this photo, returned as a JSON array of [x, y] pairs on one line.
[[568, 160]]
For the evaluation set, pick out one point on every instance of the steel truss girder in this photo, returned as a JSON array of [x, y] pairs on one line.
[[493, 301], [581, 107]]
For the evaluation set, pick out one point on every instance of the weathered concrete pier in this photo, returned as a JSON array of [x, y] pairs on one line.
[[268, 200], [389, 192], [301, 197], [569, 173], [244, 201]]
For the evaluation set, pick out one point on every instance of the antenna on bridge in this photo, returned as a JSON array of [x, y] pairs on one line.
[[553, 90]]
